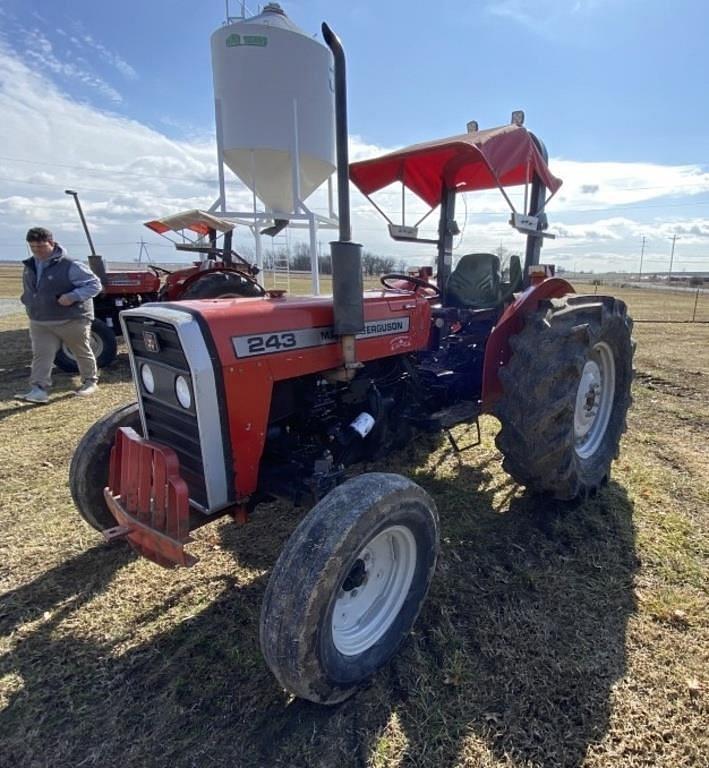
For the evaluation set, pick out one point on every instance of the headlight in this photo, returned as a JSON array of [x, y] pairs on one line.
[[182, 390], [146, 374]]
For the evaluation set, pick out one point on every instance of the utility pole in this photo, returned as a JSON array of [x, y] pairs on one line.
[[672, 256], [642, 253], [143, 250]]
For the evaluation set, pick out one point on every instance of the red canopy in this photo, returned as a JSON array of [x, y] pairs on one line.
[[503, 156], [197, 221]]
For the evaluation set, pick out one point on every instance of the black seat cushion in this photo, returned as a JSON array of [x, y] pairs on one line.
[[515, 279], [475, 283]]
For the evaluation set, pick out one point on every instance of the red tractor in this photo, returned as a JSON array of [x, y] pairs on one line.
[[220, 272], [255, 399]]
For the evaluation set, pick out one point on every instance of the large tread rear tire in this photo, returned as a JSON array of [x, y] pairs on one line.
[[542, 407], [88, 472], [349, 585], [103, 343]]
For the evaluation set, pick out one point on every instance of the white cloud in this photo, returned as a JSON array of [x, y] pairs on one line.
[[39, 51], [590, 186], [125, 172], [691, 231], [545, 17], [603, 229], [81, 40], [118, 63]]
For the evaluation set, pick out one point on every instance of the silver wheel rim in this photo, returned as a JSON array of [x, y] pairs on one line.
[[372, 594], [594, 400], [96, 347]]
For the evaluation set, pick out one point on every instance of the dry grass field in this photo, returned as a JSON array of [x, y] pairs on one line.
[[553, 635]]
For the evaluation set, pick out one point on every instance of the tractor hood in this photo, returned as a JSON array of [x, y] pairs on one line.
[[498, 157]]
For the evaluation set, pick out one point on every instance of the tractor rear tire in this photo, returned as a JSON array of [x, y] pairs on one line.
[[103, 344], [88, 472], [566, 393], [349, 585], [222, 285]]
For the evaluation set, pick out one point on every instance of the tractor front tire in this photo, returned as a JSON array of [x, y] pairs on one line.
[[221, 285], [349, 585], [566, 392], [88, 472], [103, 344]]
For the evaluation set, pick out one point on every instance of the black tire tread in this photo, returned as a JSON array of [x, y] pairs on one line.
[[213, 285], [539, 391], [290, 614], [107, 356], [88, 471]]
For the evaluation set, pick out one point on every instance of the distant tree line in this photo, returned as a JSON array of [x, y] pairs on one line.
[[299, 261]]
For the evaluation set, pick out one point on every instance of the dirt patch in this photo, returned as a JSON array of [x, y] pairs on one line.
[[10, 307]]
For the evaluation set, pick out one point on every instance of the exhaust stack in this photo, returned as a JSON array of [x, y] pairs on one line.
[[346, 255], [96, 263]]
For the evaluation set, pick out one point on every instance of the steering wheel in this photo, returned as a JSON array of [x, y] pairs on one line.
[[418, 282], [158, 270]]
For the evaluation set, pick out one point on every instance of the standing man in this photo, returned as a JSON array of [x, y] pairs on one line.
[[58, 297]]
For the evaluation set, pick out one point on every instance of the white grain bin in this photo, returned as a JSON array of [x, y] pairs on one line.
[[261, 66]]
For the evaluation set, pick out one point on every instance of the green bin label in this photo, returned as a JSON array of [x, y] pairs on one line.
[[234, 40]]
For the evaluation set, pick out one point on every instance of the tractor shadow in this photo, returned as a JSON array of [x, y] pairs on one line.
[[524, 631], [66, 587], [516, 650]]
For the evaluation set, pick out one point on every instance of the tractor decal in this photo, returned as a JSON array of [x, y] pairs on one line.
[[304, 338]]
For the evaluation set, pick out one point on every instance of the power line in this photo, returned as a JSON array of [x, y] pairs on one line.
[[59, 184], [14, 244], [105, 170]]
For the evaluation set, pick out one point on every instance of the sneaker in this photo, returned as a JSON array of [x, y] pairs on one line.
[[87, 388], [35, 395]]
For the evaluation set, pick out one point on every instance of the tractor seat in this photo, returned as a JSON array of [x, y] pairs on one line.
[[476, 282]]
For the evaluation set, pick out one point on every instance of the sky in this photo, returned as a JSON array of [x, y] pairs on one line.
[[115, 100]]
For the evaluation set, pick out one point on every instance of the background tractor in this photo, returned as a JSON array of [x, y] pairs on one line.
[[274, 397], [219, 272]]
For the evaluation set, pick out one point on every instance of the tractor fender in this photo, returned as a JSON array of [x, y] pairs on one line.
[[180, 281], [497, 349], [176, 281]]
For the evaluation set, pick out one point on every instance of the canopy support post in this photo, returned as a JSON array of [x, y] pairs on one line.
[[220, 204], [534, 241], [447, 228]]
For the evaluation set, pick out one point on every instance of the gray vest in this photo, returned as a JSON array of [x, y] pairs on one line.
[[41, 300]]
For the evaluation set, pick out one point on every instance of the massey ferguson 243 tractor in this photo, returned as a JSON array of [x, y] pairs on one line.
[[246, 400]]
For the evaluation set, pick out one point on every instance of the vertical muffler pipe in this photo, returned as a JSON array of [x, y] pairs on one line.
[[96, 263], [346, 256]]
